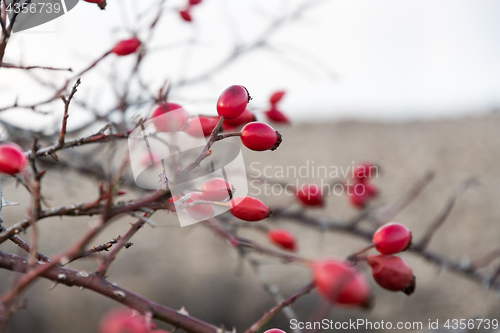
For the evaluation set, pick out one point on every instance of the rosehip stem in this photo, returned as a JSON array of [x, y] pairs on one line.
[[227, 135], [356, 256]]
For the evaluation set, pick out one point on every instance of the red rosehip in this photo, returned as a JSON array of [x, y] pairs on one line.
[[233, 102], [276, 116], [149, 159], [207, 126], [260, 136], [310, 195], [370, 189], [364, 171], [358, 200], [194, 2], [340, 283], [123, 321], [276, 97], [94, 1], [126, 46], [282, 238], [185, 15], [169, 117], [246, 117], [392, 238], [216, 189], [392, 273], [200, 211], [274, 330], [12, 158], [248, 209]]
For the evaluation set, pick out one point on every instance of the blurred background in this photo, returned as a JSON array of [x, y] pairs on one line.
[[412, 86]]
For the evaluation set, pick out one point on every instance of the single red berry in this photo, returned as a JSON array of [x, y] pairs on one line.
[[282, 238], [207, 125], [246, 117], [126, 46], [370, 189], [12, 158], [392, 238], [233, 102], [123, 321], [260, 136], [169, 117], [359, 201], [94, 1], [276, 97], [200, 211], [276, 116], [364, 171], [310, 195], [216, 189], [185, 15], [340, 283], [392, 273], [194, 2], [274, 330], [148, 159], [248, 209]]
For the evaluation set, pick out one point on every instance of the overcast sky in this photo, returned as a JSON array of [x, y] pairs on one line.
[[384, 59]]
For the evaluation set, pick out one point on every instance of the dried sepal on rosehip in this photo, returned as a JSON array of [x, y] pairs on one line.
[[340, 283], [260, 136], [216, 189], [392, 238], [12, 158], [126, 46], [233, 102], [283, 239], [310, 195], [392, 273], [169, 117], [249, 209]]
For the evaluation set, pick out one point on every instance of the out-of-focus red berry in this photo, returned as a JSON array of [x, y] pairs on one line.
[[126, 46], [169, 117], [282, 238], [123, 321], [276, 116], [340, 283]]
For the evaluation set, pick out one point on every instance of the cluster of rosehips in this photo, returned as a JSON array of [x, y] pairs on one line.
[[362, 190], [273, 114], [185, 13], [340, 283], [231, 107]]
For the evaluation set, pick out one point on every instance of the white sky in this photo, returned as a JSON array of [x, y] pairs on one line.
[[393, 59]]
